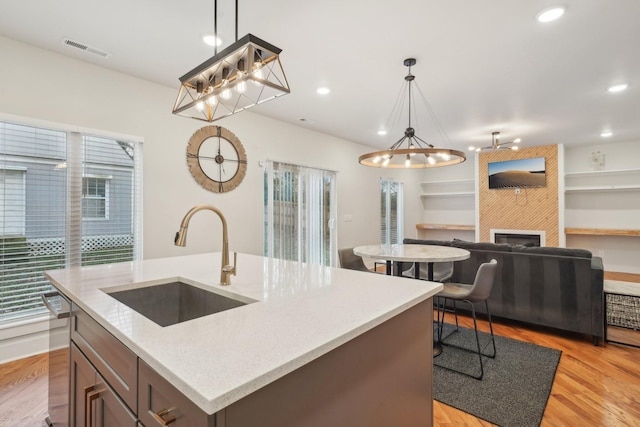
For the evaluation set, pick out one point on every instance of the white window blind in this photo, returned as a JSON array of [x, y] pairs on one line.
[[300, 207], [391, 212], [43, 208]]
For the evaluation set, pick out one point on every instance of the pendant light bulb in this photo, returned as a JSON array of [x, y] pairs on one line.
[[431, 160], [241, 87], [200, 106], [258, 73], [386, 161], [407, 162]]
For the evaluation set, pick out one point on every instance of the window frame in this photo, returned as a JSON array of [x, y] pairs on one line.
[[106, 179], [388, 208]]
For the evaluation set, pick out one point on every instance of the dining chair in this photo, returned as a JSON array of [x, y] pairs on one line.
[[478, 292], [442, 271], [350, 260]]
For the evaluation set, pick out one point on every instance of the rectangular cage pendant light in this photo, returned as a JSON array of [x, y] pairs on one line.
[[245, 74]]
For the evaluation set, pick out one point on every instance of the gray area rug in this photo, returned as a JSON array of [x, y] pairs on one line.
[[516, 384]]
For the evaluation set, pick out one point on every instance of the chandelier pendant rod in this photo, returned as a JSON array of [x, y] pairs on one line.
[[410, 81], [398, 143], [215, 25]]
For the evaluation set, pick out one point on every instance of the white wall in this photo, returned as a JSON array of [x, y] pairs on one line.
[[38, 86], [41, 85]]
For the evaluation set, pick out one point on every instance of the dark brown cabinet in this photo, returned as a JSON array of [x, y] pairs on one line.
[[162, 404], [93, 402], [112, 387]]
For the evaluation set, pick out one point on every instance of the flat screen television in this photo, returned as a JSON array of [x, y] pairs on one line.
[[518, 173]]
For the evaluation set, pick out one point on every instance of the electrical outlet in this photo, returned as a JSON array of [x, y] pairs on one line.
[[517, 191]]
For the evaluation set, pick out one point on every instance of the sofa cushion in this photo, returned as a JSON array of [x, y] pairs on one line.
[[547, 250], [481, 246], [408, 241]]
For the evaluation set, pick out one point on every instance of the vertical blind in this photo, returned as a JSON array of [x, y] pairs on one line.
[[391, 212], [300, 208], [66, 199]]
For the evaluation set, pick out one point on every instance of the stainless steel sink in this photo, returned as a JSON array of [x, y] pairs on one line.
[[174, 302]]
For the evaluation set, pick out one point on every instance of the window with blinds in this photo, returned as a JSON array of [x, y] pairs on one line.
[[300, 207], [66, 199], [391, 212]]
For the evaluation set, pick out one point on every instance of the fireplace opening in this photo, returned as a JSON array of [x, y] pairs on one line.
[[517, 239]]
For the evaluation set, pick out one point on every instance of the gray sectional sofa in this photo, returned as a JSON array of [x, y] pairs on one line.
[[553, 287]]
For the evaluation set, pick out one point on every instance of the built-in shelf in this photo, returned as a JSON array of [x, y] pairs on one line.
[[445, 227], [602, 172], [601, 232], [451, 181], [448, 194], [602, 188]]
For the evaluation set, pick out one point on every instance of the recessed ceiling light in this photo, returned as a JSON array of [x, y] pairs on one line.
[[323, 90], [382, 132], [606, 134], [618, 88], [550, 14], [211, 40]]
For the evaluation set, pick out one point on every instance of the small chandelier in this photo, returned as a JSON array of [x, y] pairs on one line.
[[245, 74], [497, 145], [418, 153]]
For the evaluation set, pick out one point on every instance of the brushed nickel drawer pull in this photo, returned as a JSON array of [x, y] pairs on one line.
[[45, 299], [90, 395], [164, 416]]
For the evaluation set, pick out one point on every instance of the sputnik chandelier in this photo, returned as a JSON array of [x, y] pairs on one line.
[[418, 153], [497, 145], [245, 74]]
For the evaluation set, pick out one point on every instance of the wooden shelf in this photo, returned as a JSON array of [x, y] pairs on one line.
[[445, 227], [601, 232]]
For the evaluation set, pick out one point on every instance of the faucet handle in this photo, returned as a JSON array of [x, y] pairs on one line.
[[231, 269]]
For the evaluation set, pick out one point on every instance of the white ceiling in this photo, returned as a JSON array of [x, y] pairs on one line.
[[483, 65]]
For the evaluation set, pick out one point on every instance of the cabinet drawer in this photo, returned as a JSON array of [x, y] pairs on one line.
[[115, 362], [160, 400], [93, 402]]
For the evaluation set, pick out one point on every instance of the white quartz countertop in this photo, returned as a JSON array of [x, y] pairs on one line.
[[300, 313]]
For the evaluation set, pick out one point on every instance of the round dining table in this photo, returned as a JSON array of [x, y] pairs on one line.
[[402, 253]]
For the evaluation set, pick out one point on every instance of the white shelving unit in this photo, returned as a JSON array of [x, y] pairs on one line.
[[603, 180], [456, 187], [449, 209], [453, 193], [603, 188]]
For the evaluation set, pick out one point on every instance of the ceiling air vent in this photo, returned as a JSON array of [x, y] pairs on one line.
[[86, 48]]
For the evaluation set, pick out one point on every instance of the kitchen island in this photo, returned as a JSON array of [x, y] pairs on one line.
[[312, 346]]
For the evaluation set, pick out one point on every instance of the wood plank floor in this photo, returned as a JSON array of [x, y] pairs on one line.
[[594, 386], [23, 392]]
